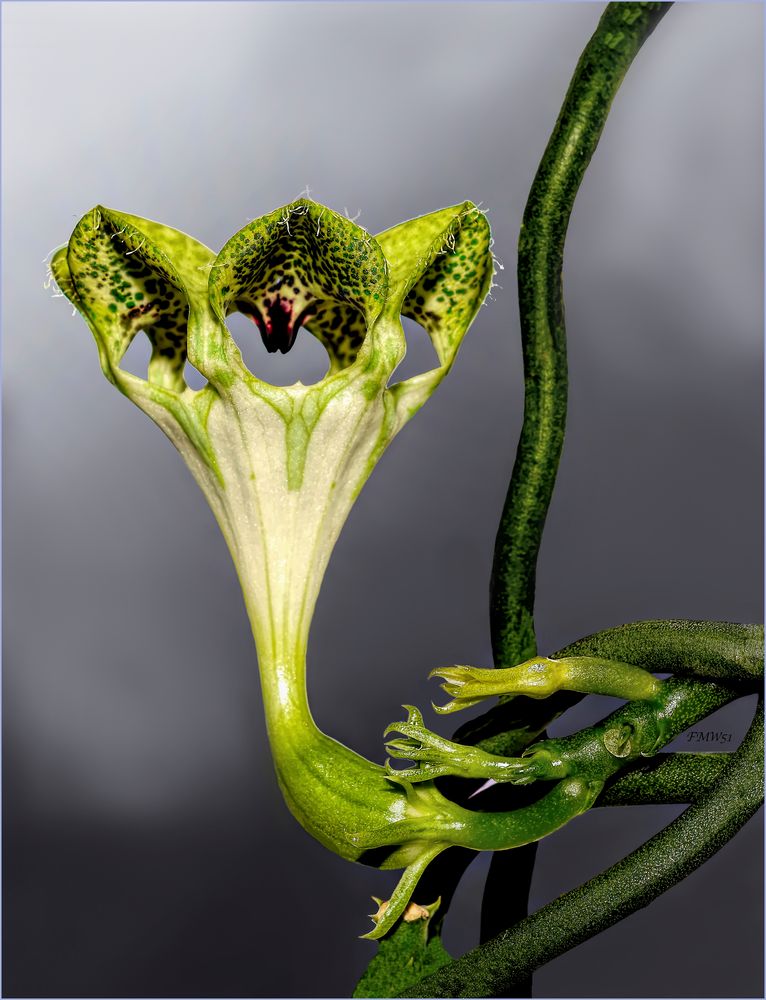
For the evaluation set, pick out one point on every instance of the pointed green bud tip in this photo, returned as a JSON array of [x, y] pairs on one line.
[[463, 685]]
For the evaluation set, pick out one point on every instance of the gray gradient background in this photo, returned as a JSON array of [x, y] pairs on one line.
[[148, 850]]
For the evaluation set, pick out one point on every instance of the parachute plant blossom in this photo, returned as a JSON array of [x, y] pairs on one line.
[[281, 466]]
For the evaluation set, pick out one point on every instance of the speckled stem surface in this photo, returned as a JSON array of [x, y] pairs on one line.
[[494, 969], [620, 34], [669, 779], [726, 651]]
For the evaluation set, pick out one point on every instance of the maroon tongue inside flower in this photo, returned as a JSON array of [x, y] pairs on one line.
[[277, 321]]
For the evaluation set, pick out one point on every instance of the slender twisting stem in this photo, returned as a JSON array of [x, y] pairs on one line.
[[493, 969], [620, 34]]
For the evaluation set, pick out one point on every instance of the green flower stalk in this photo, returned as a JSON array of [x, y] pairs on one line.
[[281, 466]]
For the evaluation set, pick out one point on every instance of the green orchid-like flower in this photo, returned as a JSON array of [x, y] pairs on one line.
[[281, 466]]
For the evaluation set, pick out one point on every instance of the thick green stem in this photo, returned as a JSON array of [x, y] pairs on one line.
[[620, 34], [495, 968], [725, 651], [669, 779]]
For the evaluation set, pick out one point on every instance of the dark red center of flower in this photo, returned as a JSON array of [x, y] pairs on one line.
[[278, 321]]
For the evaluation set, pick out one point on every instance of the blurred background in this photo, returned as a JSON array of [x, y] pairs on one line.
[[147, 849]]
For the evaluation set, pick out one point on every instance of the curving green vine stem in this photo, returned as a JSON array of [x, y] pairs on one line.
[[508, 729], [620, 34]]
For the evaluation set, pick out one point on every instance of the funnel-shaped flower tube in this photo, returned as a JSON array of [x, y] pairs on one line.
[[281, 466]]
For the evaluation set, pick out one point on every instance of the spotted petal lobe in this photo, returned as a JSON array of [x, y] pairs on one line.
[[303, 265], [126, 275], [440, 271]]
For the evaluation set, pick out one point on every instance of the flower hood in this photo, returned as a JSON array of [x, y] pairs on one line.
[[279, 465]]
